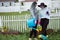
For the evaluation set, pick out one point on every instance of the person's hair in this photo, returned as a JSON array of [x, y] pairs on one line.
[[42, 4], [33, 4]]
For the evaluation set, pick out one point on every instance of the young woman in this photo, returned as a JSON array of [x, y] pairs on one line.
[[34, 14], [44, 17]]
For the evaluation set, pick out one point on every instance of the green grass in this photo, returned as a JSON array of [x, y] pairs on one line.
[[14, 37], [13, 13], [54, 36], [25, 36]]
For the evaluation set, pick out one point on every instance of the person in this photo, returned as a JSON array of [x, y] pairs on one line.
[[34, 14], [44, 16]]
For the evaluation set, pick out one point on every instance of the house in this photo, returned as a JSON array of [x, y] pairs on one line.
[[7, 3], [9, 6], [27, 3], [24, 5], [54, 5]]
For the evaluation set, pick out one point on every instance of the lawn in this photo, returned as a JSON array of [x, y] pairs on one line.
[[54, 36], [24, 36], [14, 13]]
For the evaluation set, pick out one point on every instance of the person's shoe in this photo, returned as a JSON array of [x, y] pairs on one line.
[[35, 38], [39, 36], [30, 38], [46, 35]]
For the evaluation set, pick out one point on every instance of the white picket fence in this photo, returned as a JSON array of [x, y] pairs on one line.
[[18, 22], [14, 22]]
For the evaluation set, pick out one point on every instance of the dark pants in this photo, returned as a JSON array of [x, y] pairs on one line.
[[44, 23], [34, 32]]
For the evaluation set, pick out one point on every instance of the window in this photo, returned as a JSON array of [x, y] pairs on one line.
[[10, 3], [16, 0], [2, 4], [22, 4]]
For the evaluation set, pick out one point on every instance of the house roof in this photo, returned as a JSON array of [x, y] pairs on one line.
[[6, 0], [30, 0]]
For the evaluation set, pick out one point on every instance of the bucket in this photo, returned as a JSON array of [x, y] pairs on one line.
[[31, 23]]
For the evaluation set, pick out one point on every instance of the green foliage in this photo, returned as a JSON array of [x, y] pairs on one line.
[[14, 13], [16, 0], [22, 4], [25, 36]]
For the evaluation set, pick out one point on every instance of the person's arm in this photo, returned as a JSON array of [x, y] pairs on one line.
[[38, 20], [32, 13], [38, 16], [48, 12]]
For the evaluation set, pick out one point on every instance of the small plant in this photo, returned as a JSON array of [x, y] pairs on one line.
[[4, 29], [39, 28]]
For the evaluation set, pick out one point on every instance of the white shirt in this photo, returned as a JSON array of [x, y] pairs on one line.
[[44, 13], [34, 13]]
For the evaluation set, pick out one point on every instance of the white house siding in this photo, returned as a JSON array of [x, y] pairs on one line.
[[6, 4], [55, 4], [17, 4], [0, 3], [51, 4], [14, 7], [12, 3], [10, 9], [26, 6]]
